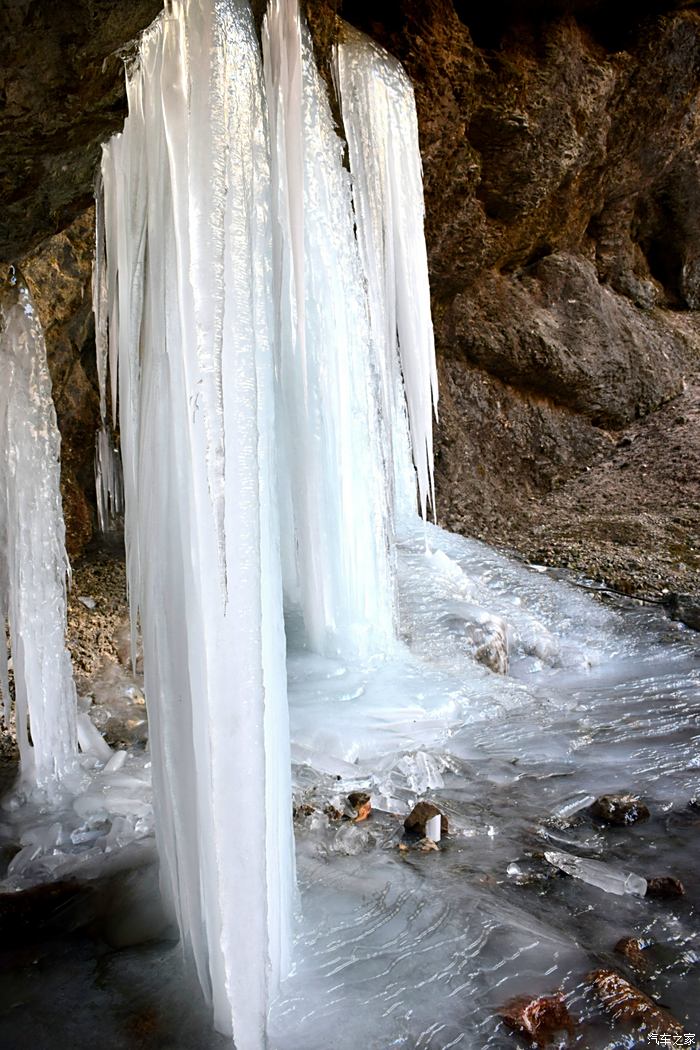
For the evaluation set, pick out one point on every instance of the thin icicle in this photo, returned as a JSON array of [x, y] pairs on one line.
[[379, 116], [33, 561]]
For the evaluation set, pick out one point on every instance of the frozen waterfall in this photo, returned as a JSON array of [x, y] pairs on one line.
[[253, 339], [187, 204], [33, 562]]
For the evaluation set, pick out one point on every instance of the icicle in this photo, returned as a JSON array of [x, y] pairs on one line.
[[329, 429], [379, 116], [109, 484], [33, 562], [190, 321]]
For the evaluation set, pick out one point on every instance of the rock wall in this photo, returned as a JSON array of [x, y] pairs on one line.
[[561, 149]]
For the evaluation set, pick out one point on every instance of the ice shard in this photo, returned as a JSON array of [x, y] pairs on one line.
[[33, 562], [189, 299], [334, 473], [379, 116]]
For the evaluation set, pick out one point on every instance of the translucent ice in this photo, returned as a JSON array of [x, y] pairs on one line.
[[190, 326], [379, 117], [33, 562], [594, 872]]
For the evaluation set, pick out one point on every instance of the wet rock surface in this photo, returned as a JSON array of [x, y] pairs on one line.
[[626, 1003], [665, 887], [540, 1019], [619, 810]]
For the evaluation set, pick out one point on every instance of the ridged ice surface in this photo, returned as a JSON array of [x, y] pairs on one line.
[[333, 472], [423, 949], [188, 246], [379, 118], [33, 562]]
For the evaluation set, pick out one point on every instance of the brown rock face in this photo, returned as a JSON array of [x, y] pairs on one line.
[[561, 156], [61, 94]]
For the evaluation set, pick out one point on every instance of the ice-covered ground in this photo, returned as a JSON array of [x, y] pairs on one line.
[[419, 950]]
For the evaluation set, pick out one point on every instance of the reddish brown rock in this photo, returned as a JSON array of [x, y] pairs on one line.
[[626, 1003], [540, 1019], [421, 813], [665, 887], [633, 950]]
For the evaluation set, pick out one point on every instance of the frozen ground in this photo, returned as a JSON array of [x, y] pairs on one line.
[[411, 949]]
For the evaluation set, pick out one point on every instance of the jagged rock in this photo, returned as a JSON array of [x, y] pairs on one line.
[[540, 1019], [624, 1002], [421, 813], [685, 608], [620, 810], [665, 887]]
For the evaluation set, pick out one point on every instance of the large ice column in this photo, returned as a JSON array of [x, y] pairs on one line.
[[336, 502], [33, 562], [187, 204], [379, 116]]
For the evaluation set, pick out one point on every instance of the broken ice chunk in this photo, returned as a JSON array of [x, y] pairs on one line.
[[595, 873]]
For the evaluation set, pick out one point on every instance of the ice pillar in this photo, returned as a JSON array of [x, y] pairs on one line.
[[187, 203], [33, 562]]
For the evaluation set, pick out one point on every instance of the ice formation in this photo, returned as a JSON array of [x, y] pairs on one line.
[[254, 344], [109, 483], [33, 562], [379, 117], [335, 524], [187, 204]]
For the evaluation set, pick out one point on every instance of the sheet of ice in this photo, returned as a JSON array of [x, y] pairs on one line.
[[334, 474], [33, 561], [379, 118]]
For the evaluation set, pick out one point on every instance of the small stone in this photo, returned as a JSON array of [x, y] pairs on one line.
[[633, 950], [620, 810], [426, 845], [403, 847], [539, 1019], [359, 806], [624, 1002], [665, 887], [332, 812], [419, 816]]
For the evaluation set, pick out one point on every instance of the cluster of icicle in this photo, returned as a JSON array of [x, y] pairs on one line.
[[33, 562], [260, 350], [109, 482]]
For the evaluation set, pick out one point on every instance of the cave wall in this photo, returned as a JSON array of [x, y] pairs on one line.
[[561, 152]]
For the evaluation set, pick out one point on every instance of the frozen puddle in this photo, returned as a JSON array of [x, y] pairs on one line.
[[419, 950]]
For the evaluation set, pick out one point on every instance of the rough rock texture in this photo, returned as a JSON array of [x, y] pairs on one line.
[[561, 148], [61, 95]]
